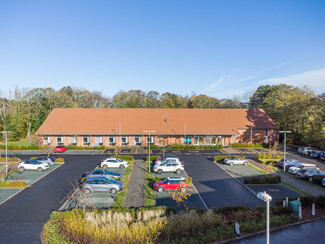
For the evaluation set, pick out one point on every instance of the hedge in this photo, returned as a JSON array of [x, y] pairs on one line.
[[13, 184], [267, 179], [185, 147], [15, 159], [268, 156], [20, 147], [318, 179], [220, 158], [127, 158], [152, 157], [247, 145], [306, 201], [73, 147]]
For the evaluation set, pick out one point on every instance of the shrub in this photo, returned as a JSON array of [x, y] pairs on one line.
[[222, 157], [267, 179], [306, 201], [127, 158], [152, 157], [20, 147], [15, 159], [13, 184], [318, 179], [188, 180], [261, 157], [59, 160], [192, 147], [33, 158], [248, 145], [156, 178]]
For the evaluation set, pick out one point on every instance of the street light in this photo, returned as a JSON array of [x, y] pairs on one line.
[[284, 147], [6, 135], [149, 144], [266, 198]]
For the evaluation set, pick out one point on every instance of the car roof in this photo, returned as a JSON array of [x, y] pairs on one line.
[[97, 178]]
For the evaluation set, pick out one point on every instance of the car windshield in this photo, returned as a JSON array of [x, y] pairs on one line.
[[303, 170], [37, 162], [110, 180], [107, 172], [119, 160], [165, 181]]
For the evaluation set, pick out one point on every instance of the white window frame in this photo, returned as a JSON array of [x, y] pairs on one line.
[[86, 143], [219, 140], [196, 140], [150, 140], [73, 140], [233, 138], [135, 141], [125, 140], [61, 139], [209, 140], [46, 140], [113, 142], [99, 140]]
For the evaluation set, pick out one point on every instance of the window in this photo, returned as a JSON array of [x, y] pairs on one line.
[[125, 140], [219, 140], [210, 140], [233, 139], [149, 139], [267, 136], [99, 140], [86, 141], [73, 140], [59, 140], [188, 140], [46, 140], [198, 140], [111, 140], [137, 140]]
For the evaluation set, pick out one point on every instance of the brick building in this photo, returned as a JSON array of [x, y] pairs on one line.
[[129, 127]]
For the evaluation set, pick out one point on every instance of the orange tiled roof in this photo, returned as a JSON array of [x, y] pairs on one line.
[[94, 121]]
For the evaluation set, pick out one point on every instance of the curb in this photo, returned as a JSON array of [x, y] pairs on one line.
[[271, 230]]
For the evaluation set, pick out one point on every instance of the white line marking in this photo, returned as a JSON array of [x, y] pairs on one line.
[[29, 185], [197, 192], [236, 179]]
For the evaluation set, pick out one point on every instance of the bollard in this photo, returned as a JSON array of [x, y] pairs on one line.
[[284, 203], [300, 213], [287, 201], [313, 209]]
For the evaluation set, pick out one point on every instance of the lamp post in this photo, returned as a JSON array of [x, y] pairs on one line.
[[149, 144], [266, 198], [6, 135], [284, 147]]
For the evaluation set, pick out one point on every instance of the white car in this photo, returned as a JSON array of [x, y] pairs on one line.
[[113, 163], [294, 169], [49, 160], [234, 160], [171, 160], [33, 165], [176, 167]]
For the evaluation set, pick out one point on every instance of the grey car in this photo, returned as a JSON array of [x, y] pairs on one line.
[[309, 173], [49, 160], [101, 184]]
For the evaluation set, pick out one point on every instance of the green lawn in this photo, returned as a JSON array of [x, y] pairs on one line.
[[19, 143], [120, 196], [149, 198]]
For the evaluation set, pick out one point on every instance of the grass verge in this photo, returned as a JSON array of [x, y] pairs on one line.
[[120, 196], [149, 197], [257, 168], [304, 193]]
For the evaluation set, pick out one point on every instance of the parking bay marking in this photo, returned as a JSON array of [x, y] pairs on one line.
[[198, 193]]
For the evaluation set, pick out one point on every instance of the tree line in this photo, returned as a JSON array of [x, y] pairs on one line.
[[292, 108]]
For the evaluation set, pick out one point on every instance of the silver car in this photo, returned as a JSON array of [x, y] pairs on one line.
[[101, 184], [306, 150], [234, 160], [49, 160]]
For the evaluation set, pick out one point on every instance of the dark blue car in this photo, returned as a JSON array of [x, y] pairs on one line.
[[289, 162], [101, 172], [315, 153]]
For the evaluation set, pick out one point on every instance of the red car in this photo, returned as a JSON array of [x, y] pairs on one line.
[[60, 149], [171, 184]]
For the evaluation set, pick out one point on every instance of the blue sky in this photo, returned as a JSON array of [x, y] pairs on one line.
[[219, 48]]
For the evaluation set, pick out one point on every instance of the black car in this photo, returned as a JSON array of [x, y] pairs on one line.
[[322, 156]]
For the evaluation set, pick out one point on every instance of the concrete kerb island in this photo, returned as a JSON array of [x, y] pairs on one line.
[[30, 177]]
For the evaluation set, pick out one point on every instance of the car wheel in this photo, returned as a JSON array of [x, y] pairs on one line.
[[105, 166], [159, 171], [245, 163], [122, 166], [310, 179], [113, 191], [231, 163], [178, 171], [21, 169], [39, 169], [183, 189], [160, 189], [87, 191]]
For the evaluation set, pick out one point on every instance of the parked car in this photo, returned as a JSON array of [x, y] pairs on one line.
[[235, 160], [309, 173], [33, 165], [171, 184], [101, 184], [323, 182], [289, 162], [113, 163], [167, 156], [171, 160], [315, 153], [60, 149], [322, 156], [294, 169], [101, 172], [49, 160], [306, 150], [176, 167]]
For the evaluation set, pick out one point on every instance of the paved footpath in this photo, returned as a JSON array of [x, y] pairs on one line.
[[295, 182], [136, 189]]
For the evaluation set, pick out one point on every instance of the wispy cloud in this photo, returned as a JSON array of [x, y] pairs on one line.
[[314, 79]]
